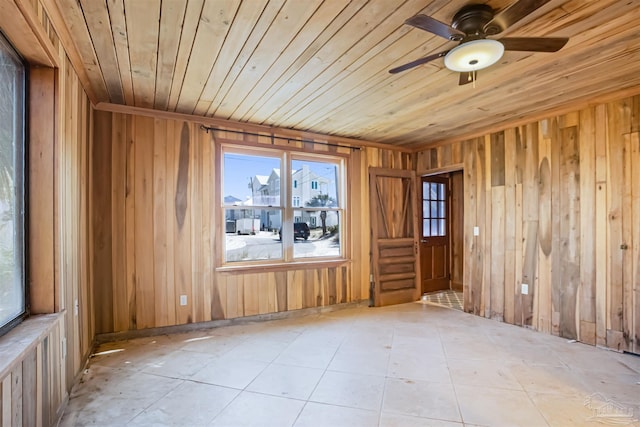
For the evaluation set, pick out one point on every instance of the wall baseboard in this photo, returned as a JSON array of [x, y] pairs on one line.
[[292, 314]]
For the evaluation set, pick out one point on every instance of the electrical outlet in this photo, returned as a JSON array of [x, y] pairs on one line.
[[183, 300], [525, 289], [476, 231]]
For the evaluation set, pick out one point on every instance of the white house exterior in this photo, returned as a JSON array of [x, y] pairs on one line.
[[305, 185]]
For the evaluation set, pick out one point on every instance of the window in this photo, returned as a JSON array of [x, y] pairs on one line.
[[12, 125], [434, 213], [264, 225], [321, 211]]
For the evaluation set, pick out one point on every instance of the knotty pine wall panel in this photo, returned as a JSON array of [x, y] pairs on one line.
[[156, 221], [558, 206]]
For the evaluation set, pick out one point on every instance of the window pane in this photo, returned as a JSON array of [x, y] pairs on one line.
[[252, 234], [425, 209], [426, 231], [442, 229], [317, 183], [316, 234], [442, 213], [441, 191], [12, 75], [425, 190], [434, 209], [251, 180], [434, 227], [434, 191]]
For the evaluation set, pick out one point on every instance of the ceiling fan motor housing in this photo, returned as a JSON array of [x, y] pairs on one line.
[[472, 20]]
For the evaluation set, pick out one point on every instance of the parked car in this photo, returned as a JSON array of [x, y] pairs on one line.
[[300, 231]]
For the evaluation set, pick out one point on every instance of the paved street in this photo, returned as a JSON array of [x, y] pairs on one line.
[[267, 245]]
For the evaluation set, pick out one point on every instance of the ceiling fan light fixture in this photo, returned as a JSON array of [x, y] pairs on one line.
[[474, 55]]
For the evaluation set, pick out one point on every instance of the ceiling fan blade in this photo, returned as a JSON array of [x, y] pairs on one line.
[[513, 14], [434, 26], [467, 77], [418, 62], [534, 44]]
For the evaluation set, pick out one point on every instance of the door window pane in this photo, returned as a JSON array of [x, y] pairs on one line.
[[434, 227], [434, 209]]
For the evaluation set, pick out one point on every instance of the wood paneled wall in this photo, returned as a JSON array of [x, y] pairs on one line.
[[71, 207], [33, 386], [558, 207], [58, 232], [149, 169]]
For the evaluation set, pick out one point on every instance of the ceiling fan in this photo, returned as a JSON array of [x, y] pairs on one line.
[[470, 26]]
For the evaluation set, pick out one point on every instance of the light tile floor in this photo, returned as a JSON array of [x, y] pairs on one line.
[[406, 365]]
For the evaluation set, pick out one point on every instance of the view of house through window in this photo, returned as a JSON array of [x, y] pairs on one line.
[[255, 213], [12, 284], [317, 192]]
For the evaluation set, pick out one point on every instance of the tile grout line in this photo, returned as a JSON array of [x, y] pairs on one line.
[[453, 384], [386, 377]]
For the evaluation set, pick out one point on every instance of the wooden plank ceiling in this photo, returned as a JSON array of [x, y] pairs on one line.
[[322, 66]]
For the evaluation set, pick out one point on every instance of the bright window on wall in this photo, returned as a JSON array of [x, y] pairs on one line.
[[12, 220], [262, 224]]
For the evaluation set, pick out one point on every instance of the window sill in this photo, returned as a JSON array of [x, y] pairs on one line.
[[283, 266], [19, 341]]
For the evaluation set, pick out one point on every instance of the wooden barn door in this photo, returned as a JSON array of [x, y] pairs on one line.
[[394, 236]]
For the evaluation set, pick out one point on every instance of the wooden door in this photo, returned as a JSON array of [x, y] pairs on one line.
[[394, 236], [435, 238]]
